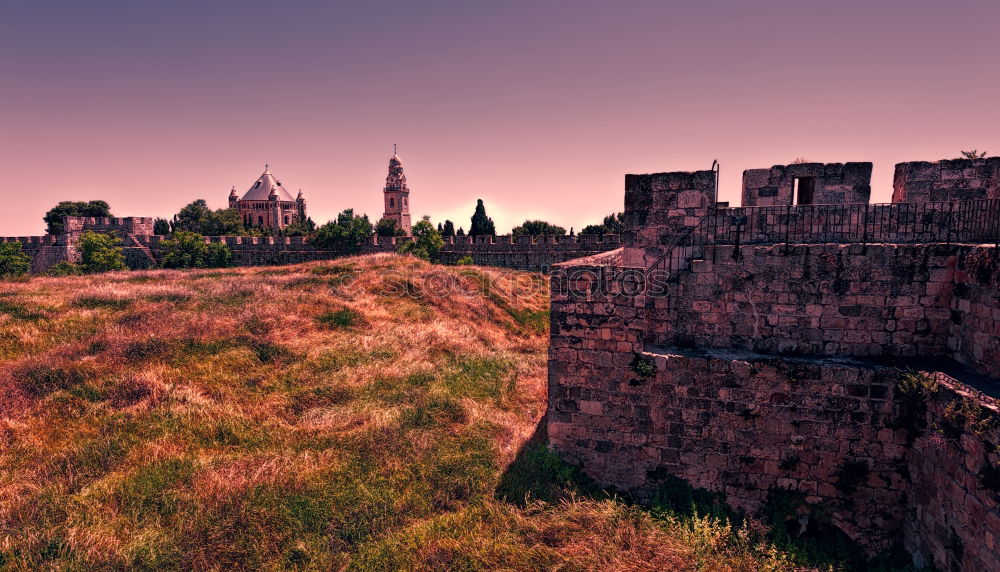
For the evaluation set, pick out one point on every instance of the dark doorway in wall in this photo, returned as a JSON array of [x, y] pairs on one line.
[[804, 188]]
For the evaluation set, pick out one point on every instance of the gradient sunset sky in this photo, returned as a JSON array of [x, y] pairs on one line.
[[539, 108]]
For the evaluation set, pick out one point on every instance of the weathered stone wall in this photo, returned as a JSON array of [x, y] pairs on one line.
[[835, 299], [45, 251], [124, 226], [835, 183], [660, 207], [534, 253], [974, 336], [953, 513], [830, 299], [740, 424], [955, 180]]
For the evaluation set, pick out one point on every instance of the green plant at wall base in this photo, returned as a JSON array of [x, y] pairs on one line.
[[850, 474], [464, 261], [100, 253], [64, 268], [13, 261], [643, 366]]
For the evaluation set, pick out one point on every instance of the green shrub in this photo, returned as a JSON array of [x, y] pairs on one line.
[[100, 253], [346, 234], [427, 241], [13, 261], [187, 249], [963, 415], [643, 366], [465, 261], [64, 268]]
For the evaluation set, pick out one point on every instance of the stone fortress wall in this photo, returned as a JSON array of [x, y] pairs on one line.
[[757, 352], [142, 248]]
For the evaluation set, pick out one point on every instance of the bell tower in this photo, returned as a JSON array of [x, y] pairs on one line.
[[397, 195]]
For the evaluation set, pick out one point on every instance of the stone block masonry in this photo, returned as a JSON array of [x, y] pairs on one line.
[[142, 248], [764, 352], [955, 180]]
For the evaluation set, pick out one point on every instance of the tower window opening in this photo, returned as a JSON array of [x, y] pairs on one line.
[[803, 190], [392, 202]]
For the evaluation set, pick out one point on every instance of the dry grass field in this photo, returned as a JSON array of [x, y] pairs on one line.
[[325, 416]]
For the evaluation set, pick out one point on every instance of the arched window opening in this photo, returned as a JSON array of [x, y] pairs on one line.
[[260, 220]]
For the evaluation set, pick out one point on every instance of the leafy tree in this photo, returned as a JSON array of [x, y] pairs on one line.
[[538, 227], [426, 243], [449, 228], [186, 249], [13, 261], [461, 232], [300, 228], [387, 227], [974, 154], [481, 224], [161, 226], [347, 233], [54, 217], [613, 224], [198, 218], [100, 252]]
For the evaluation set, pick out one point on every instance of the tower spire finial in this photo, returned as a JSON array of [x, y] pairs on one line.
[[393, 148]]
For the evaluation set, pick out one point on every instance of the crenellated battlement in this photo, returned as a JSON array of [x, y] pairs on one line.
[[752, 348]]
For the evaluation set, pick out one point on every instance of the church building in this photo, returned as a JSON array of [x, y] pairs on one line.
[[268, 205], [397, 195]]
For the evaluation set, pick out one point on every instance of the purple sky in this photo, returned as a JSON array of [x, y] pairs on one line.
[[539, 108]]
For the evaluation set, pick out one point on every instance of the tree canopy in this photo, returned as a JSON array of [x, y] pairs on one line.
[[100, 252], [613, 224], [187, 249], [426, 243], [387, 227], [54, 217], [198, 218], [346, 234], [481, 224], [538, 227]]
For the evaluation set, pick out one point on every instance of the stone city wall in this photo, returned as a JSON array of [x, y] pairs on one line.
[[827, 432], [832, 183], [954, 180], [533, 253]]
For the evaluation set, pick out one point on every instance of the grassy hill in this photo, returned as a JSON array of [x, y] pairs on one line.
[[321, 416]]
